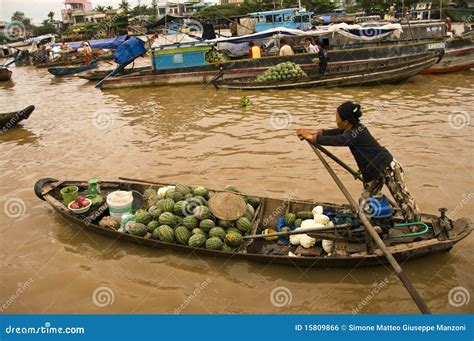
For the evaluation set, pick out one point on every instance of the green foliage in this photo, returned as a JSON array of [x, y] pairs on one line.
[[46, 28], [20, 16]]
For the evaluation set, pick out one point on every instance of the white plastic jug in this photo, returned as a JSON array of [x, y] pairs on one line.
[[120, 203]]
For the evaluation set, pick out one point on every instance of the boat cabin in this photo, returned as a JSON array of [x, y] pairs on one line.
[[179, 56], [295, 18]]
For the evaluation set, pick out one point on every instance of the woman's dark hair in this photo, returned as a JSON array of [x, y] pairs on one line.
[[350, 112]]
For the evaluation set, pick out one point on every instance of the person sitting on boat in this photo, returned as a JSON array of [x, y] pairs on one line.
[[377, 165], [309, 47], [285, 49], [87, 52], [323, 58], [255, 52]]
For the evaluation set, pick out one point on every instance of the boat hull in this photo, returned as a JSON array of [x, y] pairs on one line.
[[459, 56], [9, 120], [67, 71], [48, 189], [341, 63], [5, 75]]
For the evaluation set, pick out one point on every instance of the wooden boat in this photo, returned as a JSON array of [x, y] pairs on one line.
[[350, 247], [384, 70], [97, 75], [459, 56], [5, 74], [10, 119], [71, 70]]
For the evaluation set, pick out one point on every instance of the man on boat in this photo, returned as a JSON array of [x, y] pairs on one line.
[[87, 52], [377, 165], [255, 52], [285, 49]]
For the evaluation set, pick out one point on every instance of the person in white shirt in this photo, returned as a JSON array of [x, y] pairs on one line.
[[285, 49], [309, 47]]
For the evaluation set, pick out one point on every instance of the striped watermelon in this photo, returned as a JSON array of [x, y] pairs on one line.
[[202, 212], [183, 189], [201, 191], [254, 201], [167, 218], [167, 205], [217, 232], [298, 222], [304, 215], [152, 225], [178, 208], [248, 214], [206, 225], [182, 235], [233, 230], [165, 233], [243, 224], [190, 222], [233, 239], [290, 219], [225, 224], [197, 240], [214, 243], [198, 231]]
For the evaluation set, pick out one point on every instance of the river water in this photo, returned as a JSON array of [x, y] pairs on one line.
[[194, 135]]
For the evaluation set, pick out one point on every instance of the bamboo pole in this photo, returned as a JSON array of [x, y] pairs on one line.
[[371, 230]]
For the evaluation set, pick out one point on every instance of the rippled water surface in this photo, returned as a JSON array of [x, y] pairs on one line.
[[201, 136]]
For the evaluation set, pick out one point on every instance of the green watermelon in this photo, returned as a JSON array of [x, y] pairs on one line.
[[176, 196], [190, 222], [167, 218], [202, 212], [138, 229], [250, 209], [182, 235], [152, 225], [233, 239], [206, 225], [167, 205], [201, 191], [197, 240], [233, 230], [183, 189], [225, 224], [178, 208], [226, 248], [188, 196], [290, 219], [298, 222], [198, 231], [243, 224], [217, 232], [155, 212], [248, 214], [231, 189], [304, 215], [143, 217], [165, 233], [214, 243]]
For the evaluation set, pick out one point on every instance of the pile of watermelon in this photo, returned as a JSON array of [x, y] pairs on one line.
[[286, 71], [180, 215]]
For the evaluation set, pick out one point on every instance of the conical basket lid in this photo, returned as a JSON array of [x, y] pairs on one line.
[[227, 206]]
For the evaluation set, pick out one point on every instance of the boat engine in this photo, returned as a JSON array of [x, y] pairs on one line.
[[379, 212]]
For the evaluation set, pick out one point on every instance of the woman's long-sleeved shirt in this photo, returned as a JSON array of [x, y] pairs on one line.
[[372, 159]]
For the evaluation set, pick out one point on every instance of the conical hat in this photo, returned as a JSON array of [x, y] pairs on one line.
[[227, 206]]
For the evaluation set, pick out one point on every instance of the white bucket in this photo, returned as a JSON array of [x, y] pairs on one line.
[[120, 203]]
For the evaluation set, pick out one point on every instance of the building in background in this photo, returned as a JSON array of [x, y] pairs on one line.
[[80, 12]]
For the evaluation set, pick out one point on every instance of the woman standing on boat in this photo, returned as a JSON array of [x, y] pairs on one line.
[[377, 165]]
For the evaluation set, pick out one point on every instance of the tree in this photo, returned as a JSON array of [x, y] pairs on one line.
[[100, 9], [124, 5], [20, 17], [51, 16], [109, 8], [45, 28]]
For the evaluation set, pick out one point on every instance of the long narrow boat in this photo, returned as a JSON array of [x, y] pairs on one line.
[[388, 70], [459, 56], [72, 70], [5, 74], [8, 120], [347, 53], [350, 248], [97, 75]]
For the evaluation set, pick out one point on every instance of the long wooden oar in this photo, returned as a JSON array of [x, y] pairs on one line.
[[302, 231], [371, 230]]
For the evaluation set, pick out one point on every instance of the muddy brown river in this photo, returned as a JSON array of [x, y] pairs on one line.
[[196, 136]]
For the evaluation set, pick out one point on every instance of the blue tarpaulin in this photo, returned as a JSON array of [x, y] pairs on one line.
[[128, 51], [109, 43]]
